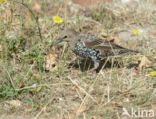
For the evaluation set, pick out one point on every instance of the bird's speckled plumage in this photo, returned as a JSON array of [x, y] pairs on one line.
[[87, 45]]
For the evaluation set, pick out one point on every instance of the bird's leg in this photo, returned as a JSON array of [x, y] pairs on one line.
[[73, 60], [96, 65]]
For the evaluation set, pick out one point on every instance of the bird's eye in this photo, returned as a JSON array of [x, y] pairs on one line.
[[65, 37]]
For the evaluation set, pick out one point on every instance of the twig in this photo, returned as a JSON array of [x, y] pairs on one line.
[[42, 85], [43, 109], [83, 90], [10, 79], [35, 17]]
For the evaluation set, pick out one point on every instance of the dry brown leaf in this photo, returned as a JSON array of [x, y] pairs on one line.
[[144, 62], [50, 61], [5, 15], [15, 103], [153, 33], [36, 7], [82, 109]]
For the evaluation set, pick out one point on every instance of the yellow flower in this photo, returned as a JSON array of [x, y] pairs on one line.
[[152, 73], [3, 1], [136, 32], [57, 19]]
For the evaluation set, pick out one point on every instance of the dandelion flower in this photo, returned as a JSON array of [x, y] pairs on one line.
[[136, 32], [152, 73], [57, 19]]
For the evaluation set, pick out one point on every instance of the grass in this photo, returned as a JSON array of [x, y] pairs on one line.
[[64, 92]]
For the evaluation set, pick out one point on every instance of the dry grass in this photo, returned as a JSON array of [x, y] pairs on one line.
[[27, 88]]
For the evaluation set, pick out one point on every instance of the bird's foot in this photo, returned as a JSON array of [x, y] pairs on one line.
[[92, 73], [93, 70]]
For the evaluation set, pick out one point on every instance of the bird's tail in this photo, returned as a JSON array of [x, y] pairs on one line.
[[122, 51]]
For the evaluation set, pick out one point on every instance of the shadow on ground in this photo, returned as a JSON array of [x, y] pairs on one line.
[[86, 64]]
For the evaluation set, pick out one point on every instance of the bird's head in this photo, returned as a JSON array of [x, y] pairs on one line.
[[66, 36]]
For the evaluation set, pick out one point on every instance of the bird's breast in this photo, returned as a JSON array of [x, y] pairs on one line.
[[81, 50]]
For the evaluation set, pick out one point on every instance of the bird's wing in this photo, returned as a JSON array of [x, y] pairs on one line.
[[90, 40], [101, 44], [106, 47]]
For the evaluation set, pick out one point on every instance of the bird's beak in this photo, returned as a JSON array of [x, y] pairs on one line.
[[59, 40]]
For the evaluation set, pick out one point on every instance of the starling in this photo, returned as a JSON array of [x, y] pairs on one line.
[[89, 46]]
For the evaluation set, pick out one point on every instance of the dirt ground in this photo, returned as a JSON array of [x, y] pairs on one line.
[[36, 81]]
